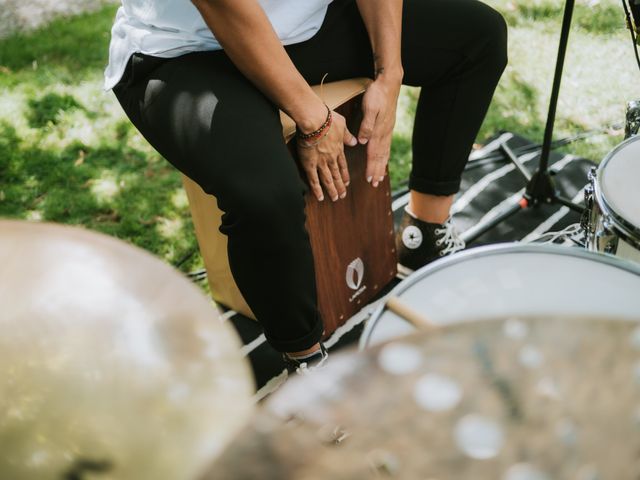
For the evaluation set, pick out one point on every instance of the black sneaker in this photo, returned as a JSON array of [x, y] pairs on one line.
[[306, 365], [419, 243]]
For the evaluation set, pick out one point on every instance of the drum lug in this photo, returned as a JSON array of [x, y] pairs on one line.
[[605, 241], [632, 122], [588, 218], [585, 218], [588, 197]]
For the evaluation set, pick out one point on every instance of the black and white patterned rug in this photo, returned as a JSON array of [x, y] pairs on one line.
[[489, 185]]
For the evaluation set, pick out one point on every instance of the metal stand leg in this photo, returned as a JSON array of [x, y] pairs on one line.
[[478, 230], [515, 160], [540, 186]]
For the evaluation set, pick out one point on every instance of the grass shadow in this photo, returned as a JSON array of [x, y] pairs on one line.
[[112, 189], [47, 109]]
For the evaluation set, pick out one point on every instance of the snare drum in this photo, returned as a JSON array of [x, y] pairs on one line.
[[512, 280], [613, 203]]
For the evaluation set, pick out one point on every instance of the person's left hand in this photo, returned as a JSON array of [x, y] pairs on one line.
[[376, 130]]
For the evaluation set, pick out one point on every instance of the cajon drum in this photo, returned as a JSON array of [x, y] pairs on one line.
[[352, 239]]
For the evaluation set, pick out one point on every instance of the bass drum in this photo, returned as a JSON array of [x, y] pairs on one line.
[[612, 198], [500, 281]]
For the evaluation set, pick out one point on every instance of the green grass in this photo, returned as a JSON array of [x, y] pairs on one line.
[[68, 154], [600, 76], [69, 50], [601, 18]]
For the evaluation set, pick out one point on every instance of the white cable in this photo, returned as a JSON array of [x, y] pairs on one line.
[[568, 233]]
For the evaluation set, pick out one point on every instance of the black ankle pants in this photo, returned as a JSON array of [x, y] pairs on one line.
[[211, 123]]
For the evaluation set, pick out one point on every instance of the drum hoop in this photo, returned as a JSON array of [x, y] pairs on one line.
[[485, 251], [621, 227], [625, 229], [632, 237]]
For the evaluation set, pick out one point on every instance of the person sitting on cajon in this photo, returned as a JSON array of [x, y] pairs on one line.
[[203, 81]]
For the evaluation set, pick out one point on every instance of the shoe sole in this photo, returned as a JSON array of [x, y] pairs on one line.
[[404, 272]]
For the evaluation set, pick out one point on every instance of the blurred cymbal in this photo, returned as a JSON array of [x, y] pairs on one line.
[[521, 399], [112, 364]]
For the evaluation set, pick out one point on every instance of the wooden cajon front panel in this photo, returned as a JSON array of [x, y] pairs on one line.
[[352, 239]]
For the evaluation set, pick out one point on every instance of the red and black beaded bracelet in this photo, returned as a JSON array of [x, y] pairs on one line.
[[316, 133]]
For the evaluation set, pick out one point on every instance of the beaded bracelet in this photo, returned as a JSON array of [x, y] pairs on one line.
[[317, 133], [310, 145]]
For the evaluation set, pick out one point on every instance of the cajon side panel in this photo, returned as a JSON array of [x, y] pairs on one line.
[[213, 248]]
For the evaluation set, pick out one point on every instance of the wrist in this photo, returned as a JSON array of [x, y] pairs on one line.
[[390, 85], [390, 76], [317, 134], [310, 114]]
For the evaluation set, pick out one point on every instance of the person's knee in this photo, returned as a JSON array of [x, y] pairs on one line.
[[268, 207], [495, 32], [280, 204]]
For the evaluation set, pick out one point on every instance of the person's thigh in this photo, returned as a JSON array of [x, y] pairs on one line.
[[438, 37], [201, 114]]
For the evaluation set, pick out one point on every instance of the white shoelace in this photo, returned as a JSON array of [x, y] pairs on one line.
[[451, 240], [304, 369]]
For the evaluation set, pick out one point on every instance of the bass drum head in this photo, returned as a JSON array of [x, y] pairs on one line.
[[617, 182], [512, 280]]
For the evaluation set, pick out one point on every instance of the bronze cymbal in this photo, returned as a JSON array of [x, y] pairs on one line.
[[516, 399], [112, 364]]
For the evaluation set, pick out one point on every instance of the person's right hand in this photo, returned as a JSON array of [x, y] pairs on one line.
[[325, 163]]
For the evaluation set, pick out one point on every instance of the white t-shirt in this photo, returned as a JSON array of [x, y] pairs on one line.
[[169, 28]]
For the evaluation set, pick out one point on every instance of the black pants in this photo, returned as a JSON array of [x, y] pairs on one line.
[[211, 123]]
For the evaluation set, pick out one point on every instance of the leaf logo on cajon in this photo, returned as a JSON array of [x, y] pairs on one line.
[[355, 274]]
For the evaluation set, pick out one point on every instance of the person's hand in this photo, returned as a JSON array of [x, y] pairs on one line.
[[324, 162], [376, 130]]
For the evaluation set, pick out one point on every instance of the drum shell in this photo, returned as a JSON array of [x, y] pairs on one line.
[[607, 231]]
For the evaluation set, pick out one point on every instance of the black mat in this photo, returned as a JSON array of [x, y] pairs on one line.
[[487, 187]]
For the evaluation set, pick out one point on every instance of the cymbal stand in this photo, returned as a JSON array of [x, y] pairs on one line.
[[540, 187]]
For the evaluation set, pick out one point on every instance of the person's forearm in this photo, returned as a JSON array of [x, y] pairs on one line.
[[244, 31], [383, 19]]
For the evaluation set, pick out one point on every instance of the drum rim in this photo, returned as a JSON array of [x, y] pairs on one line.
[[485, 251], [628, 231]]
